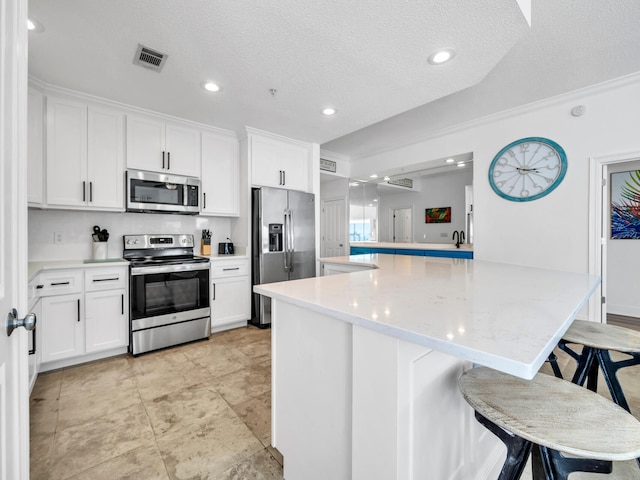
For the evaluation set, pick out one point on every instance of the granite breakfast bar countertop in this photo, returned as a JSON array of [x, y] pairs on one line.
[[506, 317]]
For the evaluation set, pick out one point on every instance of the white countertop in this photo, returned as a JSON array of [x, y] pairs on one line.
[[36, 267], [412, 246], [502, 316]]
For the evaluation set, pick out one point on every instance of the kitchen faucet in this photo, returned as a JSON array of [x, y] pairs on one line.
[[459, 237]]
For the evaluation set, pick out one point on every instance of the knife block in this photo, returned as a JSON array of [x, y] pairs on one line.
[[205, 249]]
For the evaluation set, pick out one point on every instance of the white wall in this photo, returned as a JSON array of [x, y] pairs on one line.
[[77, 227], [442, 190], [623, 264], [551, 232]]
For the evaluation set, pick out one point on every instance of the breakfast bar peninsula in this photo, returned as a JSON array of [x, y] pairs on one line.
[[365, 364]]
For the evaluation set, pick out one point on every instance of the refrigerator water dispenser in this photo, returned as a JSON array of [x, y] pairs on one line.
[[275, 237]]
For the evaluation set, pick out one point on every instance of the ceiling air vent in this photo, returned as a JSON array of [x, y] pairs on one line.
[[401, 182], [149, 58]]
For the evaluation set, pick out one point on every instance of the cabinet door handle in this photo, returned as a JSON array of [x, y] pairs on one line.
[[280, 182], [122, 303], [204, 201], [38, 287], [91, 191], [227, 269], [214, 291], [106, 279], [84, 191], [163, 159], [78, 309], [33, 337], [284, 177], [55, 284], [168, 160]]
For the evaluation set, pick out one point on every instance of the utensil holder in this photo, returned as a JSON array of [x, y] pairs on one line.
[[100, 250]]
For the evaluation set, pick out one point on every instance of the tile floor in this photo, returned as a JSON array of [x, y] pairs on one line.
[[198, 411]]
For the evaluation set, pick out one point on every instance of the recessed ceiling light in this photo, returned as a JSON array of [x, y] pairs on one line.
[[441, 56], [373, 176], [449, 160], [353, 184], [375, 199], [211, 87], [461, 164], [329, 111], [34, 25], [387, 178]]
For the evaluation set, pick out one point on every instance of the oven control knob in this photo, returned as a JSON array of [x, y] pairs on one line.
[[129, 242], [136, 241]]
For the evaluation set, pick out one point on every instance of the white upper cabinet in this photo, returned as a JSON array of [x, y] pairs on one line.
[[85, 156], [35, 147], [66, 153], [158, 146], [220, 175], [279, 162], [105, 166]]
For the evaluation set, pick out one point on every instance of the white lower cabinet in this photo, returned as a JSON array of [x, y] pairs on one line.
[[62, 327], [82, 320], [230, 293], [106, 325]]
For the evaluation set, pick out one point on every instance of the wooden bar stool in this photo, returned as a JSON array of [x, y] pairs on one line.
[[553, 417], [598, 339]]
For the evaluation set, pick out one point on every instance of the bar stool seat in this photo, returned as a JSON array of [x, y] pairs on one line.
[[598, 340], [557, 416]]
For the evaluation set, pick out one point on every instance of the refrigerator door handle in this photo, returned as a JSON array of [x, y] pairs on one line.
[[286, 240]]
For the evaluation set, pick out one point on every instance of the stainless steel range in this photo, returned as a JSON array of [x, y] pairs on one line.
[[169, 292]]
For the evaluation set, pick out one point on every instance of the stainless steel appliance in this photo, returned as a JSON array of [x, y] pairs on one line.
[[161, 193], [168, 292], [283, 243]]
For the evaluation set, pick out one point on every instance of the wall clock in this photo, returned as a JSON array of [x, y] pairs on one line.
[[527, 169]]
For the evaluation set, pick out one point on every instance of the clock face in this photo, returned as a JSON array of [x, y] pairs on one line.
[[527, 169]]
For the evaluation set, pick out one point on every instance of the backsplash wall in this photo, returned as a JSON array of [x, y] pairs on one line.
[[76, 228]]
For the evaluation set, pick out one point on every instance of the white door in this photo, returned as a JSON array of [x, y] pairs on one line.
[[402, 225], [333, 228], [14, 397]]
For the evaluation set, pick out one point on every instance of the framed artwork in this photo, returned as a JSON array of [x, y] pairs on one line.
[[437, 215], [625, 205]]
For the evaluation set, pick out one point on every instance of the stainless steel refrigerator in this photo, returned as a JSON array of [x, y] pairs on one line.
[[283, 243]]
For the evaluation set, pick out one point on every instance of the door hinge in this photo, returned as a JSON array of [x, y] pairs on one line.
[[604, 300], [604, 182]]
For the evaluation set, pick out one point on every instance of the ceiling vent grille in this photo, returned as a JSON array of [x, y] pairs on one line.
[[401, 182], [149, 58]]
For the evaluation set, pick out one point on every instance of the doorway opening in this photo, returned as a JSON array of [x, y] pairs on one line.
[[604, 252], [402, 225], [333, 227]]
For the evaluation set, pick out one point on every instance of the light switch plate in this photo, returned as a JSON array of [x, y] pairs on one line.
[[58, 238]]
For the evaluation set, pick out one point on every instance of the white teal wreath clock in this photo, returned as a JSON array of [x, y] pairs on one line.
[[527, 169]]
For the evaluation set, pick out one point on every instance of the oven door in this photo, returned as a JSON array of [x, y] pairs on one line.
[[162, 295]]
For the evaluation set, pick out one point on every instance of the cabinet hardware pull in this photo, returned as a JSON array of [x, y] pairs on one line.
[[163, 159], [122, 302], [106, 279], [227, 269], [91, 191], [78, 309], [214, 291], [204, 196], [168, 160], [38, 287], [33, 336], [84, 191], [280, 183], [284, 177], [55, 284]]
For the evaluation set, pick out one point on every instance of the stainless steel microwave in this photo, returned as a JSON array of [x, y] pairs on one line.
[[161, 193]]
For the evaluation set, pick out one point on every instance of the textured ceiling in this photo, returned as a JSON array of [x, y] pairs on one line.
[[572, 44], [368, 59]]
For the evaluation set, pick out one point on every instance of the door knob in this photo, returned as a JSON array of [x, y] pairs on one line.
[[13, 322]]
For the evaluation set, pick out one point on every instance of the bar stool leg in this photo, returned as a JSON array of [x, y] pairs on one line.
[[558, 467], [553, 360], [518, 450]]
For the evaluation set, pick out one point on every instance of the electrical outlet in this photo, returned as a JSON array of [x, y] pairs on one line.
[[443, 235], [58, 238]]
